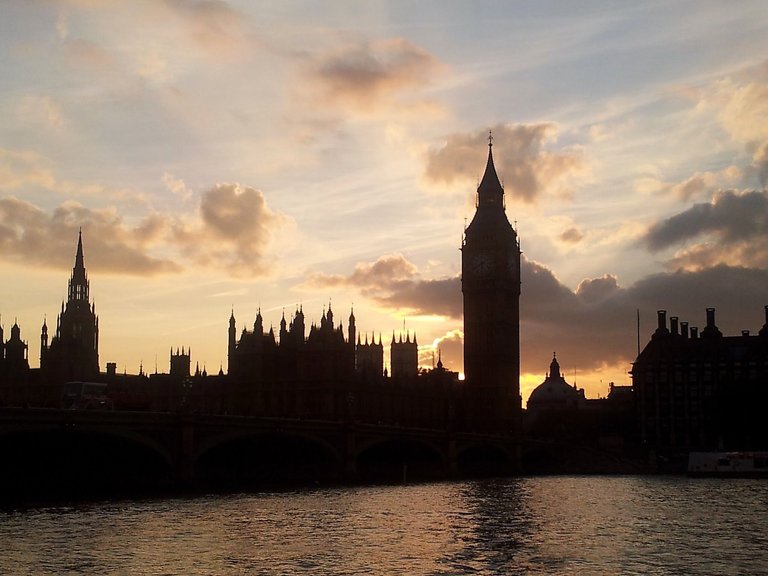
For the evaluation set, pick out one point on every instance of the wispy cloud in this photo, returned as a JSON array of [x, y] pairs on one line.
[[367, 76]]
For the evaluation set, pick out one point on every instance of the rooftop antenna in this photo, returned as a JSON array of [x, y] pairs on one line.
[[638, 331]]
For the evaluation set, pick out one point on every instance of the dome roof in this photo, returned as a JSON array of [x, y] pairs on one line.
[[554, 391]]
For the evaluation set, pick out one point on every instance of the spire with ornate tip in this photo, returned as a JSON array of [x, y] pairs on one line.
[[78, 283], [490, 192]]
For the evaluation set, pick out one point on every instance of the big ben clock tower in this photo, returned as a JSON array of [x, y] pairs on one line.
[[490, 282]]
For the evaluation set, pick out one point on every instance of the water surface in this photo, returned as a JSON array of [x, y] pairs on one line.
[[551, 525]]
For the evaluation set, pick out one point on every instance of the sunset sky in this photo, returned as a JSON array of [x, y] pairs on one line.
[[228, 156]]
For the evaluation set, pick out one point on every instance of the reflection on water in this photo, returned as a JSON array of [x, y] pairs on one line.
[[557, 525]]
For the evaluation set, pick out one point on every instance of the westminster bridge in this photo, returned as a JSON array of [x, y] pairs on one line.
[[88, 448]]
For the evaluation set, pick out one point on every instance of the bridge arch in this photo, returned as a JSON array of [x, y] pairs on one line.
[[400, 458], [485, 459], [267, 457], [54, 461]]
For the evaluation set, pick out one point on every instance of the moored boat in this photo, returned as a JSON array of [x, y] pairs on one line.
[[728, 464]]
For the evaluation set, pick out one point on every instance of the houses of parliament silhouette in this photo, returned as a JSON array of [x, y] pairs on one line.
[[690, 391], [315, 371]]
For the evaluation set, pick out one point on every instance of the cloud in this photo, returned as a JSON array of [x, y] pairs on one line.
[[387, 271], [572, 236], [177, 186], [697, 186], [42, 110], [702, 183], [451, 350], [441, 297], [523, 157], [87, 55], [22, 168], [213, 25], [393, 282], [760, 164], [366, 76], [743, 109], [29, 235], [597, 289], [732, 228], [595, 325], [232, 232]]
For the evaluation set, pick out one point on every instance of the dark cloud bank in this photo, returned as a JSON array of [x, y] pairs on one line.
[[597, 323]]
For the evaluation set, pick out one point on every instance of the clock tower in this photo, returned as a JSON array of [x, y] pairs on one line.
[[490, 282]]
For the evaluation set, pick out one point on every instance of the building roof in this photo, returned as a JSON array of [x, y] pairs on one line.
[[554, 391]]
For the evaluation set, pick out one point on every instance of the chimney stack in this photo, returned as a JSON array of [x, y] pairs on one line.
[[764, 329], [673, 325], [711, 329], [684, 329]]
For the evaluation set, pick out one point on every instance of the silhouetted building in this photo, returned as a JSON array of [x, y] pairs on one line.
[[73, 353], [490, 266], [14, 363], [180, 363], [702, 391], [369, 358], [555, 393], [404, 357]]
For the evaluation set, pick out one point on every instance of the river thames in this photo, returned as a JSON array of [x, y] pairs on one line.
[[531, 525]]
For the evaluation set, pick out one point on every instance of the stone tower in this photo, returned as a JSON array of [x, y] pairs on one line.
[[490, 282], [73, 353]]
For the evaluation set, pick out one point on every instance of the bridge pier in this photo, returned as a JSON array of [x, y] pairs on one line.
[[185, 466], [452, 463], [350, 454]]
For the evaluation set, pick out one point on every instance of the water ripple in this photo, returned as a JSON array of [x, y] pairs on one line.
[[558, 525]]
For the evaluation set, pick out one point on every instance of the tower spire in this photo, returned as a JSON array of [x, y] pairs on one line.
[[78, 283], [490, 192]]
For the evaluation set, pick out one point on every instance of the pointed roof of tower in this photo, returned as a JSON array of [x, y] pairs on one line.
[[78, 271], [79, 263], [490, 190]]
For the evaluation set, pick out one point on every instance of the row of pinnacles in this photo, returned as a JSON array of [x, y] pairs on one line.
[[324, 355]]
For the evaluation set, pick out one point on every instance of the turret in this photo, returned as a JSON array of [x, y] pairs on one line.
[[283, 330], [554, 367], [352, 327], [43, 341], [258, 325]]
